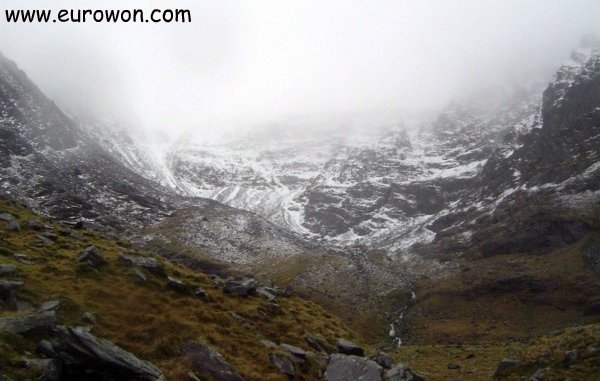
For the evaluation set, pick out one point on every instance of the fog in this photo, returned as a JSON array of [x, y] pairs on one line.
[[246, 63]]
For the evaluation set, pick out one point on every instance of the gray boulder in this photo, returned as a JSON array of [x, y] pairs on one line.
[[349, 348], [50, 305], [269, 344], [177, 286], [299, 354], [283, 364], [262, 291], [151, 265], [23, 324], [352, 368], [7, 270], [84, 356], [383, 359], [7, 217], [92, 256], [209, 363], [13, 226], [246, 287], [35, 225], [401, 372]]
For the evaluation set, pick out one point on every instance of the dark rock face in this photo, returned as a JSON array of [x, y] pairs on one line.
[[348, 348], [209, 363], [540, 196], [82, 355], [344, 368]]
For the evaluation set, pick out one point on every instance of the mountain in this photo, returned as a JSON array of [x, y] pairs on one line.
[[59, 167], [478, 227]]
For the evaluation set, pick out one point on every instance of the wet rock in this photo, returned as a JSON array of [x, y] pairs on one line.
[[7, 270], [246, 287], [401, 372], [177, 286], [383, 359], [23, 324], [349, 348], [283, 364], [92, 256], [50, 305], [209, 363], [151, 265], [505, 366], [35, 225], [84, 356], [348, 367]]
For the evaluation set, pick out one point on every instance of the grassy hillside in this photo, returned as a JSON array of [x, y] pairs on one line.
[[146, 318]]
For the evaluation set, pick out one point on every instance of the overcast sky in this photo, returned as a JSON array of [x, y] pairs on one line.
[[247, 62]]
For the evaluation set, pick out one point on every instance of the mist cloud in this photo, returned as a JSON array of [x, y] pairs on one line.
[[242, 63]]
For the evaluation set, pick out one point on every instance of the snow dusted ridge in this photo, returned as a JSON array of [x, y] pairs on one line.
[[376, 185], [342, 188]]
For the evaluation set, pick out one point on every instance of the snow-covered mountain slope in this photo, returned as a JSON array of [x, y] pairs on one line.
[[359, 186], [60, 168], [390, 187]]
